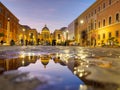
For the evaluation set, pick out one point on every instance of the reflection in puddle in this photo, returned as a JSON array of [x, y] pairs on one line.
[[75, 69], [13, 64]]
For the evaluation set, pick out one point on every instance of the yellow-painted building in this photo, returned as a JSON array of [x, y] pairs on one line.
[[99, 24]]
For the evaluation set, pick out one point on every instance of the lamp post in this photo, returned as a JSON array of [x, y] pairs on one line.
[[67, 35], [80, 37], [8, 32], [23, 36], [66, 38]]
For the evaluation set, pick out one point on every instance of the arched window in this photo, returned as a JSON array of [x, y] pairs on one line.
[[117, 17], [110, 2], [103, 35], [110, 20], [0, 25], [103, 5], [99, 24], [103, 22]]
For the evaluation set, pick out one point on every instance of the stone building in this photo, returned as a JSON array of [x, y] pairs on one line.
[[58, 36], [27, 36], [45, 36], [99, 24], [71, 33], [65, 34], [8, 25], [32, 36]]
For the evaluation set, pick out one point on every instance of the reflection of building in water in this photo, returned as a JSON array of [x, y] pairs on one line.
[[45, 60], [58, 60], [15, 63]]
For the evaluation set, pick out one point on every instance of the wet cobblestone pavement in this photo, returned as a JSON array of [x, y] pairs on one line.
[[89, 68]]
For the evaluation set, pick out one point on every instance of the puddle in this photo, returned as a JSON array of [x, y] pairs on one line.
[[62, 68]]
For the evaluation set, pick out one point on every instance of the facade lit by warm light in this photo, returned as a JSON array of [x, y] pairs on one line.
[[45, 36], [8, 25], [58, 36], [71, 34], [27, 36], [99, 24]]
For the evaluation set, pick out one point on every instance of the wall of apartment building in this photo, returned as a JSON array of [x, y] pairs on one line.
[[96, 22], [108, 27], [6, 17]]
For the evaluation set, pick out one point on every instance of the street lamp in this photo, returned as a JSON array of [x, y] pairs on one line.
[[24, 36], [81, 21], [67, 35], [80, 31]]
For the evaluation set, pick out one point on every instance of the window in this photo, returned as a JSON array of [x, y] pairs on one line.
[[0, 25], [103, 22], [98, 24], [117, 33], [58, 36], [98, 36], [117, 17], [103, 35], [98, 9], [86, 17], [110, 35], [95, 24], [91, 26], [110, 2], [110, 20], [0, 9], [31, 35], [91, 13], [95, 11], [103, 5]]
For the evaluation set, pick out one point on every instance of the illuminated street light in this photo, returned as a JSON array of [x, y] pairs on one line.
[[81, 21]]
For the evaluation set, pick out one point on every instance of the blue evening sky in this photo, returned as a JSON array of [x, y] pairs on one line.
[[54, 13]]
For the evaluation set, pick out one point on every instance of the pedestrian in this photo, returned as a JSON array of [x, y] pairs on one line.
[[1, 42]]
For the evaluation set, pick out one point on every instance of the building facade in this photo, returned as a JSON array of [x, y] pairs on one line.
[[32, 36], [27, 36], [65, 33], [58, 36], [71, 28], [8, 25], [99, 24], [45, 36]]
